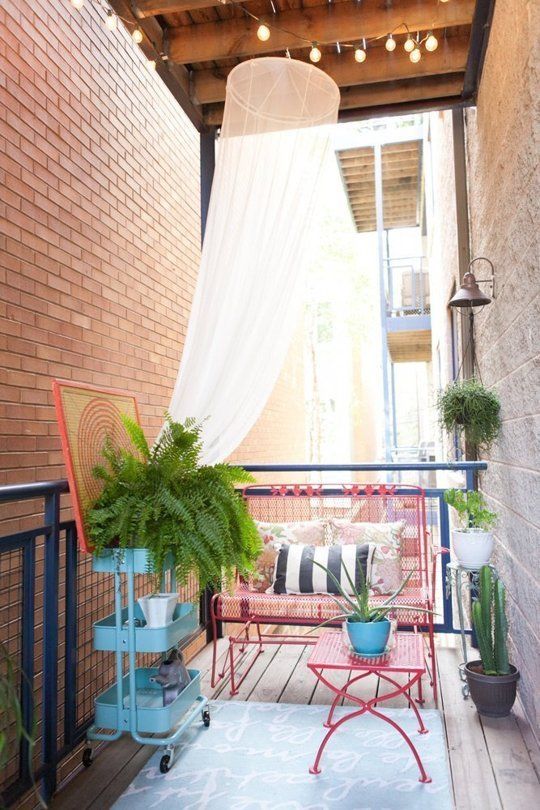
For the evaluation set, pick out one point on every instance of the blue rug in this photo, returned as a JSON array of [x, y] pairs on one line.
[[255, 756]]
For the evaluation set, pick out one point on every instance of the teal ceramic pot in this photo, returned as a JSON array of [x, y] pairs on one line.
[[369, 638]]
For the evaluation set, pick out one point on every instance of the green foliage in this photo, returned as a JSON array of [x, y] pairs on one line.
[[12, 729], [359, 607], [489, 619], [162, 499], [471, 509], [472, 410]]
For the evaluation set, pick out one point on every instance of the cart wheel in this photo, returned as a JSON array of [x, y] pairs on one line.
[[206, 717], [87, 757], [164, 765]]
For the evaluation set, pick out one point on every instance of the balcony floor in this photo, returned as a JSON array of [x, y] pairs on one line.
[[494, 763]]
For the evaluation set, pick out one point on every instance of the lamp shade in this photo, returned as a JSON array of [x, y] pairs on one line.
[[469, 294]]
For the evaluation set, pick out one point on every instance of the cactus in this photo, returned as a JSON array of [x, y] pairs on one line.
[[489, 619]]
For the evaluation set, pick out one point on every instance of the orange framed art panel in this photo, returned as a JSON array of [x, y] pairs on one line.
[[86, 416]]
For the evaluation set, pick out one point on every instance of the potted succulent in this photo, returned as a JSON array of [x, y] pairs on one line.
[[368, 627], [469, 408], [472, 540], [492, 680], [183, 514]]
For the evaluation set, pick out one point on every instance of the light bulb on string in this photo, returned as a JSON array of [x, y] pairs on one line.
[[263, 32], [151, 64], [137, 36], [360, 55], [315, 54], [415, 55], [409, 44], [432, 43], [111, 20], [78, 4], [390, 43]]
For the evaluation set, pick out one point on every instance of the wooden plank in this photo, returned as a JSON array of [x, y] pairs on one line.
[[209, 85], [275, 677], [301, 685], [513, 768], [472, 774], [149, 8], [325, 24]]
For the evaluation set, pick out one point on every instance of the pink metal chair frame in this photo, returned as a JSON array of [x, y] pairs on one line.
[[369, 503]]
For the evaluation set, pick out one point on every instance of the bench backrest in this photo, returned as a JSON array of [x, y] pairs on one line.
[[378, 503]]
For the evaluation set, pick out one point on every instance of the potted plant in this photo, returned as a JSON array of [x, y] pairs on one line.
[[472, 541], [492, 680], [467, 407], [368, 627], [185, 515], [12, 729]]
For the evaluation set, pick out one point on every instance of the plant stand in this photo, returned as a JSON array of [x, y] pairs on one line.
[[134, 704], [459, 578]]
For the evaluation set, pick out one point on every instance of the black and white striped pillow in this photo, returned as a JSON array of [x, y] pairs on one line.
[[295, 571]]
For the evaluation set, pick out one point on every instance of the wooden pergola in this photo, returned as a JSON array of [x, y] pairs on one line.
[[196, 43]]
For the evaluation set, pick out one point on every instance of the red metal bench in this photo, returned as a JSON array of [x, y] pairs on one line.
[[300, 502]]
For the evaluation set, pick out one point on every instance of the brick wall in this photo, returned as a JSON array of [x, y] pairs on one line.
[[504, 199], [99, 248], [100, 226]]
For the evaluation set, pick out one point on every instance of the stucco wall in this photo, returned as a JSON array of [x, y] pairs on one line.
[[504, 200], [504, 208]]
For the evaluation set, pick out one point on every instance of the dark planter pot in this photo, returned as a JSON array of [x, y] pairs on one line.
[[493, 695]]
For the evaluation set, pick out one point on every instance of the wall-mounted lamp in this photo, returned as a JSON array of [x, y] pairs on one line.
[[470, 294]]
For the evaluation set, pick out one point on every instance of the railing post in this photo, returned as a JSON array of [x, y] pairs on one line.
[[70, 672], [50, 640], [27, 652]]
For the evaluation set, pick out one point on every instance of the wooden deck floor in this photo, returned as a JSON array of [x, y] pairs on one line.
[[494, 763]]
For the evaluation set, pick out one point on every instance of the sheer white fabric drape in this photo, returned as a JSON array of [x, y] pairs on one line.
[[273, 141]]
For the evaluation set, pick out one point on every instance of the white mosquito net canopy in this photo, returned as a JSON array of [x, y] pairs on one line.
[[273, 142]]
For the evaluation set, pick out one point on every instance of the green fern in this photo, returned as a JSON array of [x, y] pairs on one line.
[[163, 499]]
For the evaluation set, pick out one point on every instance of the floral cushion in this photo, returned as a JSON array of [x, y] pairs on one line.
[[276, 535], [385, 573]]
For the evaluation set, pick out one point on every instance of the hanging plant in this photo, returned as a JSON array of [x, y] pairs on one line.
[[467, 407]]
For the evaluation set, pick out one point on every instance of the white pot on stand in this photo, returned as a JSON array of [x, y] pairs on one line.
[[472, 547], [158, 608]]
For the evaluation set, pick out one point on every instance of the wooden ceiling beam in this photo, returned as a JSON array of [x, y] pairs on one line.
[[208, 86], [343, 22], [150, 8]]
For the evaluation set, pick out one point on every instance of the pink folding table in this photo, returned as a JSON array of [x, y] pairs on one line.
[[331, 653]]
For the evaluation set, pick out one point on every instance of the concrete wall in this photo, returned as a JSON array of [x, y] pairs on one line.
[[504, 211], [504, 197]]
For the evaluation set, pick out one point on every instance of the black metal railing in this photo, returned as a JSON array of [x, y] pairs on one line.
[[49, 599]]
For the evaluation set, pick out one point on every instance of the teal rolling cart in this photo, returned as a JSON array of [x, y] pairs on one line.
[[134, 704]]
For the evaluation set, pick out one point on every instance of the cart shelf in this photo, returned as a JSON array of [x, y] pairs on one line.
[[152, 716], [121, 560], [147, 639]]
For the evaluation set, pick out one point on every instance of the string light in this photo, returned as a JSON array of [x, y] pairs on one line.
[[360, 53], [315, 54], [110, 20], [432, 43], [409, 44], [263, 32]]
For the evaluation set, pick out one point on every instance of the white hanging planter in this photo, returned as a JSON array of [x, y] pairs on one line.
[[473, 548], [158, 608]]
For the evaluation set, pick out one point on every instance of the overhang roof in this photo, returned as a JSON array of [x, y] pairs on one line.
[[198, 42], [401, 166]]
